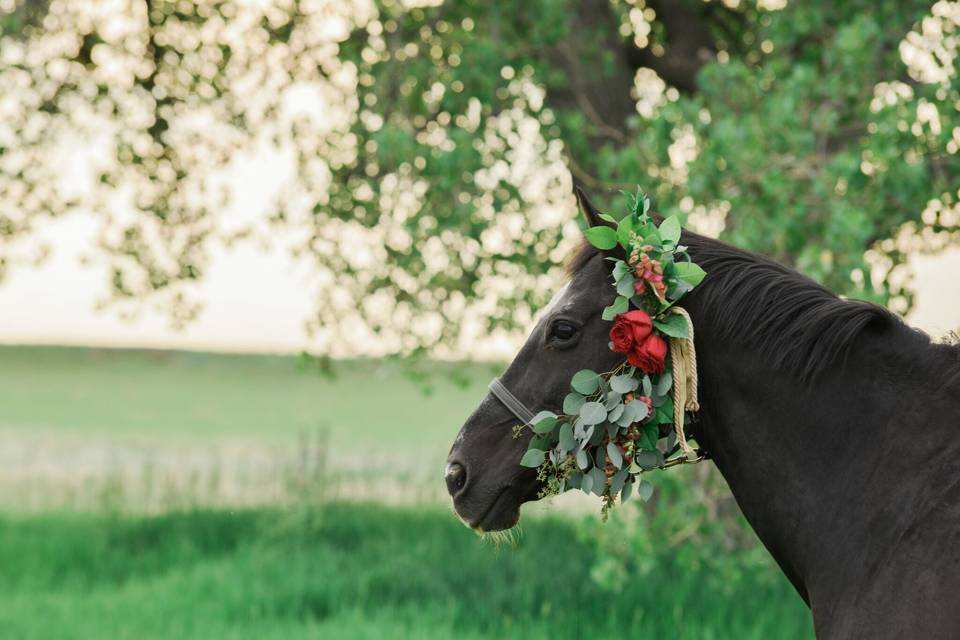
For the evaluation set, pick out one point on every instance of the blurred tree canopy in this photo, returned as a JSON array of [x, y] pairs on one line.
[[429, 148]]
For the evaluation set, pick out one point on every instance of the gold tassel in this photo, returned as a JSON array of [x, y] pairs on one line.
[[684, 356]]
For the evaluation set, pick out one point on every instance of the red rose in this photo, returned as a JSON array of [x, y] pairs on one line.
[[629, 330], [649, 355]]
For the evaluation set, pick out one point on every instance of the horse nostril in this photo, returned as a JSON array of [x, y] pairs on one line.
[[456, 477]]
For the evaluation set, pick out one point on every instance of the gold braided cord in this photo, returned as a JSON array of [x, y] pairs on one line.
[[684, 357]]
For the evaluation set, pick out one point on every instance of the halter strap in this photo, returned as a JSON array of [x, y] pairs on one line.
[[510, 401]]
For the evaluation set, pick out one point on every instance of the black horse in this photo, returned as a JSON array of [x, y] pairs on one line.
[[833, 422]]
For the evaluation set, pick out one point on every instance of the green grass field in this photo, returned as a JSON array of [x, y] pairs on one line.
[[316, 566]]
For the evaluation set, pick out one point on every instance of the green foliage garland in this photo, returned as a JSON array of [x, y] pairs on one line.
[[618, 424]]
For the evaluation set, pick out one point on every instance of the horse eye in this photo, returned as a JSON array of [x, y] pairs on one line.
[[563, 330]]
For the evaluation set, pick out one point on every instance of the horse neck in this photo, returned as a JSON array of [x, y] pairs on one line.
[[815, 468]]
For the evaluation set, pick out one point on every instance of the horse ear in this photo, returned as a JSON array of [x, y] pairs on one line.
[[590, 212]]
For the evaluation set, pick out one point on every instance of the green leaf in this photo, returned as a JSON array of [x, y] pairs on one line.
[[620, 269], [648, 459], [624, 229], [617, 481], [615, 456], [690, 273], [674, 325], [640, 410], [545, 425], [567, 443], [623, 383], [540, 442], [670, 230], [572, 403], [608, 218], [625, 287], [620, 305], [613, 399], [543, 414], [663, 384], [583, 460], [532, 458], [602, 237], [585, 381], [627, 491], [645, 441], [678, 288], [592, 413], [586, 485], [615, 413], [645, 490], [599, 480], [628, 416]]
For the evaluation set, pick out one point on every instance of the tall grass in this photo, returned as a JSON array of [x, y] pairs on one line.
[[357, 571]]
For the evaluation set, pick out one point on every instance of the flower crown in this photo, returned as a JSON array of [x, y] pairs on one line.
[[618, 424]]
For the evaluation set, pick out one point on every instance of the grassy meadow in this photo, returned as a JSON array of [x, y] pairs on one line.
[[173, 495]]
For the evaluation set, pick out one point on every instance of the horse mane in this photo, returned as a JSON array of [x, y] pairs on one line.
[[801, 325]]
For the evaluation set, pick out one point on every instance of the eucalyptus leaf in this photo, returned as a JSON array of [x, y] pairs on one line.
[[567, 443], [542, 415], [629, 415], [613, 399], [585, 381], [543, 442], [640, 410], [572, 403], [663, 384], [645, 490], [592, 413], [532, 458], [586, 485], [623, 383], [615, 456], [600, 457], [545, 425], [583, 460], [588, 434], [647, 386], [596, 435], [625, 286], [614, 414], [599, 481], [627, 492], [648, 459], [617, 481]]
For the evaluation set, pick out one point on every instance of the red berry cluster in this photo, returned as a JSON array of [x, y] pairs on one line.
[[649, 273]]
